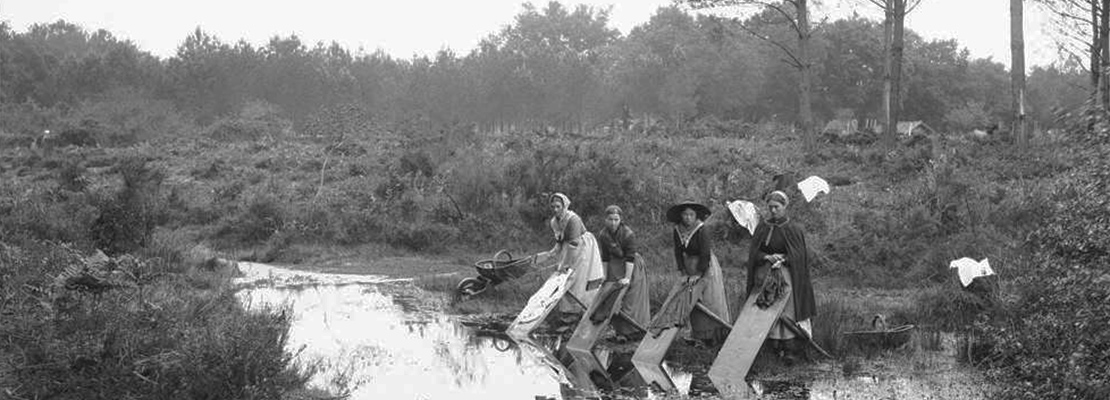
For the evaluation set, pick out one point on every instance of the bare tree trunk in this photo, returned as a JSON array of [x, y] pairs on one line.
[[805, 107], [888, 26], [897, 43], [1104, 46], [1017, 71], [1095, 48]]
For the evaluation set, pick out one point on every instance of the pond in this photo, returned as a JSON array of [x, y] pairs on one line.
[[377, 338]]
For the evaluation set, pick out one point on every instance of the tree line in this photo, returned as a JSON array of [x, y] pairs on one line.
[[555, 67]]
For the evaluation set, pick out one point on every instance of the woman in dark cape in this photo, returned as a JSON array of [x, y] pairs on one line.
[[780, 243]]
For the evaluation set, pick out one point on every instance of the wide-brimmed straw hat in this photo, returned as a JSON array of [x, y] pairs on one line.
[[674, 214]]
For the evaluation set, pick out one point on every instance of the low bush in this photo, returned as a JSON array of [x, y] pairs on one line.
[[256, 221], [123, 117], [144, 337], [128, 217], [237, 129], [1052, 339]]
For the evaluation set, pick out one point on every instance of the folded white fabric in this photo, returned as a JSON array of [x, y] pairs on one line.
[[811, 186], [745, 214], [969, 269]]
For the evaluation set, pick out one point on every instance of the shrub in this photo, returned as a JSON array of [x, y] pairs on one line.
[[38, 214], [71, 177], [969, 116], [1053, 340], [149, 338], [256, 221], [129, 216], [125, 116], [417, 162], [238, 129], [831, 320]]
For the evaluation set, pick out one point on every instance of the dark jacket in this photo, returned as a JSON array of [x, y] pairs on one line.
[[621, 245], [797, 258], [700, 246]]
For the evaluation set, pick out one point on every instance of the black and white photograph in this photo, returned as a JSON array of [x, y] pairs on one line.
[[555, 200]]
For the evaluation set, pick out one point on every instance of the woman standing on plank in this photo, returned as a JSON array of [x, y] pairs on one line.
[[575, 250], [623, 268], [780, 244]]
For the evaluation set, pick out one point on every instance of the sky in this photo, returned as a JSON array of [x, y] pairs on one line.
[[407, 28]]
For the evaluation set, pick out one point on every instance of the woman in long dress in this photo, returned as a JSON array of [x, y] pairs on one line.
[[576, 251], [780, 244], [702, 279], [623, 268]]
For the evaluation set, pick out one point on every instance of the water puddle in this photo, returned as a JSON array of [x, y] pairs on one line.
[[378, 338]]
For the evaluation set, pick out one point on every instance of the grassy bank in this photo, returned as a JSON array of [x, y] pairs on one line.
[[81, 327], [402, 200]]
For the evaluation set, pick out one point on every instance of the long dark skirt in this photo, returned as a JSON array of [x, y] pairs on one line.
[[635, 304], [710, 291]]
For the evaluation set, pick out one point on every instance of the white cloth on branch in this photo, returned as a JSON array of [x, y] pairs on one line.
[[969, 269], [745, 214], [811, 186]]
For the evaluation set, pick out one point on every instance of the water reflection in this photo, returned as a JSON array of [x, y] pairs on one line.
[[380, 339], [377, 340]]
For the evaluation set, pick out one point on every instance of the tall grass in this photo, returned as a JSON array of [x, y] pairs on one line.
[[153, 336]]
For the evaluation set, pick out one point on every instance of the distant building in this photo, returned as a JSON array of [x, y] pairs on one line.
[[912, 128], [841, 127]]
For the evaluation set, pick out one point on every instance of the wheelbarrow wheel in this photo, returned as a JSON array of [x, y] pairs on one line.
[[502, 344], [471, 286]]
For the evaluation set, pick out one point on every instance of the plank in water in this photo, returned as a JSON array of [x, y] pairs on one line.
[[648, 358], [736, 356], [539, 306], [587, 332], [545, 357], [585, 336]]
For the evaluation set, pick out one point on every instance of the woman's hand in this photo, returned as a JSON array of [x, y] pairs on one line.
[[546, 256], [692, 279], [623, 282]]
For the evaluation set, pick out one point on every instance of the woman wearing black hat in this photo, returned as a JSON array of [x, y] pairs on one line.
[[702, 279]]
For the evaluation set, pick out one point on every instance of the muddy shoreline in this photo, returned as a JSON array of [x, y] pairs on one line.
[[909, 371]]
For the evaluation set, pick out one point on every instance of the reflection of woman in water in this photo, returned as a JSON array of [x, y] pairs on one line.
[[701, 279], [623, 267], [781, 244], [576, 251]]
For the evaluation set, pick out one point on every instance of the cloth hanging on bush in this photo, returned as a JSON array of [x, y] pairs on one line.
[[774, 286]]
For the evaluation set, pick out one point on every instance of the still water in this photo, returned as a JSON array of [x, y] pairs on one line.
[[377, 338]]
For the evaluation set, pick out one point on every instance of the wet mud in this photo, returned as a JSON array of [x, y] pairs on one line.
[[372, 337]]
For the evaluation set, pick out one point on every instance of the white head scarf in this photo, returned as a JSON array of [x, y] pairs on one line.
[[561, 197]]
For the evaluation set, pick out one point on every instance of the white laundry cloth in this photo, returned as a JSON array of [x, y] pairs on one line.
[[811, 186], [969, 269], [745, 214]]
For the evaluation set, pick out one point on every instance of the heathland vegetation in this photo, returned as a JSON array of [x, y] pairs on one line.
[[271, 153]]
